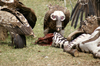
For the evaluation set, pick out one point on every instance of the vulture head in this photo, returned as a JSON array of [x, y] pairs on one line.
[[56, 19], [87, 26]]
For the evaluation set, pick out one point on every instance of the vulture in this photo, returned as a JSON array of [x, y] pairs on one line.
[[17, 19], [85, 7], [56, 19]]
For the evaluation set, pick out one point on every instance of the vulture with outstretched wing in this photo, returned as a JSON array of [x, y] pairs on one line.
[[85, 7], [18, 19], [56, 19]]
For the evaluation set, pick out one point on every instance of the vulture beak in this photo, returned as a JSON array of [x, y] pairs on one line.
[[58, 16], [58, 24]]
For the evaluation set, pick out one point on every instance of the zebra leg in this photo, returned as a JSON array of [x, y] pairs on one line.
[[73, 52], [61, 42], [96, 55], [73, 44], [58, 40]]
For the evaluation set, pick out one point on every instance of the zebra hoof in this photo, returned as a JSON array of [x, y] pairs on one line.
[[75, 53], [96, 55]]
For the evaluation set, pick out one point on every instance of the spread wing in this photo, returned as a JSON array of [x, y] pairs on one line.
[[15, 22], [84, 7]]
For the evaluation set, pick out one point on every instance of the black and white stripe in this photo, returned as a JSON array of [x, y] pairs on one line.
[[59, 41], [89, 43]]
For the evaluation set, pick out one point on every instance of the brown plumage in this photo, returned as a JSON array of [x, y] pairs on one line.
[[28, 13], [18, 20], [12, 24], [50, 25], [3, 33], [87, 7]]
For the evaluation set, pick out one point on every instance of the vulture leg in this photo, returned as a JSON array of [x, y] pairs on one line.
[[19, 41]]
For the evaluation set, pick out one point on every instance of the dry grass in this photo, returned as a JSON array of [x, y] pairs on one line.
[[35, 55]]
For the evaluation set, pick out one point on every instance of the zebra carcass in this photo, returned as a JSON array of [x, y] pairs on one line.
[[86, 42]]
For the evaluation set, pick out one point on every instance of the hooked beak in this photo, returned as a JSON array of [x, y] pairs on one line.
[[59, 28], [58, 24]]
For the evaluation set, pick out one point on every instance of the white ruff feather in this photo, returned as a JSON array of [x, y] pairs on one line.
[[57, 13], [8, 1]]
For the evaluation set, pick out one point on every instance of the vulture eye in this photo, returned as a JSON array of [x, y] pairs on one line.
[[62, 18], [53, 17]]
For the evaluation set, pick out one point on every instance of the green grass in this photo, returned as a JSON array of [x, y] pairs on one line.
[[35, 55]]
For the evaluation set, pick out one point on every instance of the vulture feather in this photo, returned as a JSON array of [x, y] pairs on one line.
[[17, 24]]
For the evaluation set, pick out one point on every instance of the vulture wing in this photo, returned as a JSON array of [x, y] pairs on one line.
[[15, 22], [28, 13], [87, 7]]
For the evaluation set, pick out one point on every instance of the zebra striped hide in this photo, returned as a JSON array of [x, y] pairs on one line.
[[89, 43], [59, 41]]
